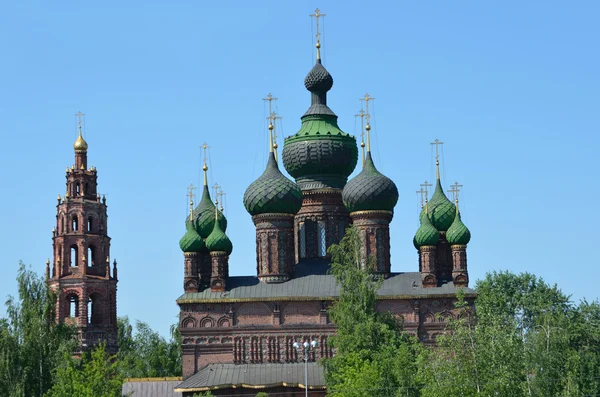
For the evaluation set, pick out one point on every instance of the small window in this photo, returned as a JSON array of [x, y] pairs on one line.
[[89, 224], [77, 189], [73, 306], [322, 240], [302, 237], [73, 259], [74, 224], [90, 256]]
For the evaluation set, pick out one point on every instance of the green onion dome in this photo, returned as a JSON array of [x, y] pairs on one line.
[[272, 192], [415, 243], [441, 210], [191, 240], [457, 233], [370, 190], [427, 234], [204, 215], [320, 154], [218, 240]]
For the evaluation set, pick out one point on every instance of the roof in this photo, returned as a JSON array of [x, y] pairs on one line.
[[151, 387], [312, 282], [253, 376]]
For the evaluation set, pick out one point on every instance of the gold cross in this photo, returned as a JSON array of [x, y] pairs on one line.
[[221, 194], [190, 194], [423, 193], [426, 187], [318, 15], [437, 143], [273, 118], [455, 190], [362, 115], [204, 147], [216, 188], [79, 117]]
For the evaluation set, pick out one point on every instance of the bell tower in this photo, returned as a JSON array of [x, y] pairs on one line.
[[81, 276]]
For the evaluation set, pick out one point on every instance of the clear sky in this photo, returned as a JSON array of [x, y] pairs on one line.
[[511, 87]]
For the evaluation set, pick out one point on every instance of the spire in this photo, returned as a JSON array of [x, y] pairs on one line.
[[205, 167], [191, 189], [367, 98], [272, 120], [455, 190]]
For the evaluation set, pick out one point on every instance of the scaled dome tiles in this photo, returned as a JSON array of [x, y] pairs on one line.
[[441, 210], [204, 215], [191, 240], [370, 190], [458, 233], [272, 192]]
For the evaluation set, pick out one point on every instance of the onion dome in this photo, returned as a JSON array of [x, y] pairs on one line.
[[370, 190], [272, 192], [80, 144], [320, 154], [457, 233], [204, 215], [441, 210], [427, 234], [191, 240], [218, 240]]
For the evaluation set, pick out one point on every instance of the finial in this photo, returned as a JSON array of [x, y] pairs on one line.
[[104, 199], [423, 194], [437, 143], [318, 15], [455, 190], [367, 98], [205, 167], [271, 119], [190, 194], [425, 186], [216, 188], [59, 199], [362, 114], [80, 143], [274, 118], [221, 194]]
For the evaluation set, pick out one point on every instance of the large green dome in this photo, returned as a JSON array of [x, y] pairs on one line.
[[458, 233], [204, 215], [370, 190], [218, 240], [320, 154], [272, 192], [427, 234], [191, 240], [441, 210]]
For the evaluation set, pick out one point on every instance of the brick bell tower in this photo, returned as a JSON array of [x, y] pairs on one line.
[[81, 277]]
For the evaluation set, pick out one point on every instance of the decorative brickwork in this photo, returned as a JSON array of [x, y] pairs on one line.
[[87, 293], [444, 260], [191, 281], [274, 247], [459, 270], [374, 227], [428, 265], [321, 222], [220, 270]]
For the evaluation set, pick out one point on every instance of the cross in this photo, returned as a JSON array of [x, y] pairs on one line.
[[423, 193], [221, 194], [273, 117], [190, 194], [437, 143], [367, 98], [455, 190], [270, 98], [362, 114], [204, 147], [216, 187], [79, 117], [318, 15], [426, 186]]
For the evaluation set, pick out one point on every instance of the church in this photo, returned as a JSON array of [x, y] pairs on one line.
[[260, 332]]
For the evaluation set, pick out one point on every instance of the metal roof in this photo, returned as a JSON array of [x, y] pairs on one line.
[[311, 281], [253, 376], [151, 387]]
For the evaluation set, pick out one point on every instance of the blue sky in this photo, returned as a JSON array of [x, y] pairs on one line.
[[511, 87]]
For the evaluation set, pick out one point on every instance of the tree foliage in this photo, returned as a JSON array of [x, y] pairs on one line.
[[146, 354], [31, 343], [373, 356], [95, 375]]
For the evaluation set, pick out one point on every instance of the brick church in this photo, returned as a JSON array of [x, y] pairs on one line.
[[240, 333]]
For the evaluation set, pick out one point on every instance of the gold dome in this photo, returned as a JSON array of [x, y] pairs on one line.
[[80, 144]]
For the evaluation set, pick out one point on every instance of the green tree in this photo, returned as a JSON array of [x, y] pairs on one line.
[[373, 356], [145, 353], [95, 375], [31, 343]]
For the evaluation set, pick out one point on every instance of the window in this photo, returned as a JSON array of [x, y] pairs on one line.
[[94, 314], [77, 189], [73, 305], [73, 259], [321, 239], [302, 237], [89, 224], [74, 224], [90, 255]]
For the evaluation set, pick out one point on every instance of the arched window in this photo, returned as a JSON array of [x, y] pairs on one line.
[[321, 240], [73, 305], [77, 189], [89, 224], [94, 314], [302, 237], [90, 255], [74, 223], [73, 261]]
